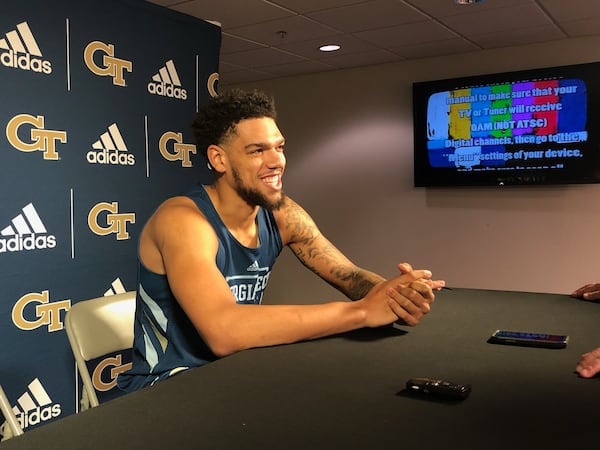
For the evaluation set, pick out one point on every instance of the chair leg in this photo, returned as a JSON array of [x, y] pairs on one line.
[[13, 428]]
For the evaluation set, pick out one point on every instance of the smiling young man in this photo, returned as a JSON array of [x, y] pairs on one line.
[[206, 256]]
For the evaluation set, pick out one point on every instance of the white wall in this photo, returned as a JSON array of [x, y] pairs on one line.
[[349, 149]]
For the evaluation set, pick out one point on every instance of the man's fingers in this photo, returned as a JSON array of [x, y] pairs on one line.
[[421, 274], [424, 288], [405, 267], [410, 302], [402, 314], [436, 284]]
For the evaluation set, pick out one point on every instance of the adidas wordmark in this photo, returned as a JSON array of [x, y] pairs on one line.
[[19, 49], [167, 83], [26, 232]]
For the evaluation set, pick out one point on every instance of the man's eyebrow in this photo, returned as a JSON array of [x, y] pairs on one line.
[[277, 143]]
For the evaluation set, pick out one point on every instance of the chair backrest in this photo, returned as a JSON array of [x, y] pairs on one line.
[[96, 328], [10, 417]]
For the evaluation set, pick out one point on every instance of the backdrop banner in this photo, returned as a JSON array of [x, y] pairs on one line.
[[97, 102]]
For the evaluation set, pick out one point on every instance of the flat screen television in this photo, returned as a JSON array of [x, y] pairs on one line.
[[531, 127]]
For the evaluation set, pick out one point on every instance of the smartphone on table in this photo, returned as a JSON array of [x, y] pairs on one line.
[[529, 339]]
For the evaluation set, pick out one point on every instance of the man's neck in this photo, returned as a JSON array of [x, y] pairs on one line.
[[236, 214]]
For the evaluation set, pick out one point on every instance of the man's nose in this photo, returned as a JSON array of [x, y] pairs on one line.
[[275, 158]]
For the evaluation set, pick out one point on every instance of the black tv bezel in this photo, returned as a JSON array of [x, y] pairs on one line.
[[427, 176]]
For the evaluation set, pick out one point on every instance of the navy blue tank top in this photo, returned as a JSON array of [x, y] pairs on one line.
[[165, 340]]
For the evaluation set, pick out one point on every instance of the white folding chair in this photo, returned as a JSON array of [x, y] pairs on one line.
[[95, 328], [14, 428]]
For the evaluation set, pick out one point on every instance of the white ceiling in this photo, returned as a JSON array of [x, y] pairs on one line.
[[375, 31]]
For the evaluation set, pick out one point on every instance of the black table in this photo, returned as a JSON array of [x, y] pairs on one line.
[[347, 391]]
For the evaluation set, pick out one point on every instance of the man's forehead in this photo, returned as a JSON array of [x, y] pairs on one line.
[[256, 122], [261, 128]]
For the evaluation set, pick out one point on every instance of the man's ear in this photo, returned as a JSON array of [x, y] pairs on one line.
[[217, 158]]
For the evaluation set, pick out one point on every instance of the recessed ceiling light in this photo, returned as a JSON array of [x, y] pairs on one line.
[[468, 2], [329, 48]]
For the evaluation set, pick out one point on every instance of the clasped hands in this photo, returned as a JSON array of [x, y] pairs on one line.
[[410, 294]]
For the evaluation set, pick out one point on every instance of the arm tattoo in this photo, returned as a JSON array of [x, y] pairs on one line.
[[354, 282], [361, 285]]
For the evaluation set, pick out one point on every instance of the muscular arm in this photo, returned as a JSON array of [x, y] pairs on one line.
[[180, 242], [303, 237]]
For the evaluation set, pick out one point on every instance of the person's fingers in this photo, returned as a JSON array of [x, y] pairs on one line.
[[409, 303], [405, 267], [592, 296]]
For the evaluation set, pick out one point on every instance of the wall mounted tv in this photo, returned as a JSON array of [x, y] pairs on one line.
[[531, 127]]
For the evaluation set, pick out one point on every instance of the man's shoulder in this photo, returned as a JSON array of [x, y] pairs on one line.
[[177, 209], [175, 204], [178, 221], [177, 227], [293, 221], [288, 208]]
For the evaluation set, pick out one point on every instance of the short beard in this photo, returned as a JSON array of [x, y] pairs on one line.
[[253, 197]]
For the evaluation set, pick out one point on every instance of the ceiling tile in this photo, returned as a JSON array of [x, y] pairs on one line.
[[499, 19], [261, 57], [521, 36], [232, 13], [368, 15], [436, 48], [445, 8], [296, 28], [409, 34], [304, 6], [571, 10], [584, 27], [225, 67], [233, 44]]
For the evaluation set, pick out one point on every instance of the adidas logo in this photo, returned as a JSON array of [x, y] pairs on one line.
[[35, 406], [166, 83], [20, 50], [116, 288], [110, 149], [26, 232], [253, 267]]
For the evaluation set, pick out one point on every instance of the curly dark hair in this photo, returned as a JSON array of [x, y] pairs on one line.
[[218, 118]]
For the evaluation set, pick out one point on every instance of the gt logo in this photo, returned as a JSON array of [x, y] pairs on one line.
[[117, 223], [181, 152], [111, 66], [46, 312], [116, 366], [212, 83], [41, 140]]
